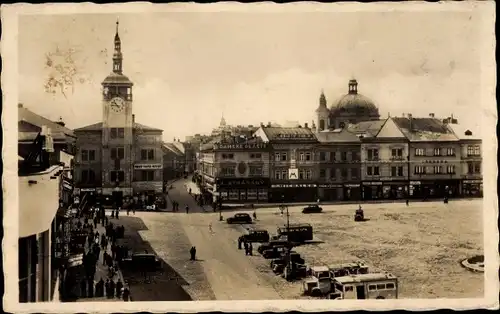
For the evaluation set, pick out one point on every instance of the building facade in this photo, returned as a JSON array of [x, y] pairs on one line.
[[339, 165], [292, 166], [236, 170], [434, 157], [118, 157], [384, 159]]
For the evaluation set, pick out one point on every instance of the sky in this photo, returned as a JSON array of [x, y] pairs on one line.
[[190, 68]]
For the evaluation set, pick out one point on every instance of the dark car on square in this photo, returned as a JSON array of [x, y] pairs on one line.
[[312, 209], [240, 218], [256, 235], [142, 262]]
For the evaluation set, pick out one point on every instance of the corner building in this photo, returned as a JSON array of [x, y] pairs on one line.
[[118, 157]]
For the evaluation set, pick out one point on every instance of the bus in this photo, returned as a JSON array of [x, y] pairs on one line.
[[298, 232], [365, 286]]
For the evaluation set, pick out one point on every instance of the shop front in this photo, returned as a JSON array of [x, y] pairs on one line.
[[393, 190], [330, 192], [472, 188], [426, 189], [372, 190], [293, 192], [239, 190], [352, 192]]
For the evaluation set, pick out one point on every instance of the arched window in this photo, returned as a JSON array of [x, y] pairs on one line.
[[321, 124]]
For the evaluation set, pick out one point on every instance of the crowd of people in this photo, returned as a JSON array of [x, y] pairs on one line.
[[91, 246]]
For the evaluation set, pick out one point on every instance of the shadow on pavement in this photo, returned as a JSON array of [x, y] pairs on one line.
[[165, 285]]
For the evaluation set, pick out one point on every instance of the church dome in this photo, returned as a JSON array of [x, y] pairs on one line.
[[354, 103]]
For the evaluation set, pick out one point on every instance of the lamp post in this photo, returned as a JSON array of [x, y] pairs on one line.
[[284, 207]]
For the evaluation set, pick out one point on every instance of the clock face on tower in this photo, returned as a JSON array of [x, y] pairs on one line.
[[117, 104]]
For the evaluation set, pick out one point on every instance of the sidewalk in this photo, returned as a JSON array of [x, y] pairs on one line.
[[270, 205], [101, 269]]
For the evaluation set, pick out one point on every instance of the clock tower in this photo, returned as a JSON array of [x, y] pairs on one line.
[[117, 127]]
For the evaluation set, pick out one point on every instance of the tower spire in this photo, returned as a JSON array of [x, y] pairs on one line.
[[117, 55]]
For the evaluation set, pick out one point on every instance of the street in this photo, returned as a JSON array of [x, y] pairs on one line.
[[409, 241]]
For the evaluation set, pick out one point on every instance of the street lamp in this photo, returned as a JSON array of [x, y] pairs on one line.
[[284, 207]]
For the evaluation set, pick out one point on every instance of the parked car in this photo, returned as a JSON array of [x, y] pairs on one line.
[[256, 235], [312, 209], [240, 218], [269, 245], [274, 252], [142, 262]]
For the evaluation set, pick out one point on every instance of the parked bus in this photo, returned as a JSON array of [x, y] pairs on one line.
[[365, 286], [298, 232]]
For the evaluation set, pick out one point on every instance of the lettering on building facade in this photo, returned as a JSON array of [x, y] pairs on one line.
[[240, 146], [244, 182], [299, 185], [147, 166], [291, 136]]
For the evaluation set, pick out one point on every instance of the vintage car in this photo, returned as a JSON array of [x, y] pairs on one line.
[[256, 235], [240, 218], [318, 282], [348, 269], [274, 252], [142, 262], [365, 286], [278, 264], [312, 209], [269, 245]]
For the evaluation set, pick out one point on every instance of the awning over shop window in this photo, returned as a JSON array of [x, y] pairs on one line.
[[38, 201]]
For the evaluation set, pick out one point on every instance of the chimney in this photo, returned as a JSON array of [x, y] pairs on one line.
[[268, 124], [306, 125], [431, 115], [19, 105], [410, 118], [133, 118], [61, 122]]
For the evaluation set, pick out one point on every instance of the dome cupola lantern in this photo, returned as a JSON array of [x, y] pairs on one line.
[[353, 87]]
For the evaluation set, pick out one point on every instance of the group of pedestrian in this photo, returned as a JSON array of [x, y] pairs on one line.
[[175, 206], [246, 244], [115, 213], [192, 252]]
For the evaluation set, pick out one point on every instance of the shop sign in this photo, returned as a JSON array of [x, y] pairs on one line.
[[299, 185], [243, 146], [472, 181], [294, 136], [351, 185], [250, 182], [75, 260], [147, 166], [415, 182], [394, 183], [87, 190], [372, 183], [293, 174], [329, 186]]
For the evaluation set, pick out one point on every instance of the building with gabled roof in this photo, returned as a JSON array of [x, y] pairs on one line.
[[118, 157]]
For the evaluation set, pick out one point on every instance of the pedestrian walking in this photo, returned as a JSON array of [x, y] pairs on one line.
[[250, 249], [126, 294], [245, 244], [95, 222], [187, 209], [407, 202], [192, 252], [240, 241], [112, 287], [106, 287], [210, 228], [117, 212], [119, 287]]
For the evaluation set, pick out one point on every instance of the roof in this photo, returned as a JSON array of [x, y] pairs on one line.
[[355, 102], [26, 115], [171, 147], [364, 277], [116, 78], [337, 135], [98, 127], [425, 129], [366, 128], [289, 134], [35, 216], [30, 136], [462, 132]]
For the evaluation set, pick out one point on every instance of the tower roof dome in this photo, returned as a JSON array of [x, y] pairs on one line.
[[355, 103]]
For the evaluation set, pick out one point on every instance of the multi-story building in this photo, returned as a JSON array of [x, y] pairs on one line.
[[339, 166], [384, 160], [174, 161], [434, 156], [235, 169], [471, 161], [292, 166], [119, 157]]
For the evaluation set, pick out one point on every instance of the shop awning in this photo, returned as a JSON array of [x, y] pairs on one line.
[[38, 201]]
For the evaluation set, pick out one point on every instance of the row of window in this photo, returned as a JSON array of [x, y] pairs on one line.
[[284, 174], [332, 156], [231, 171], [302, 156], [89, 176], [435, 169], [117, 153], [375, 171], [343, 173], [117, 132]]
